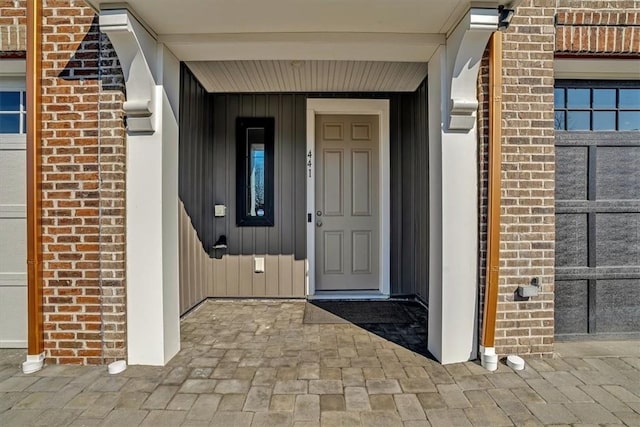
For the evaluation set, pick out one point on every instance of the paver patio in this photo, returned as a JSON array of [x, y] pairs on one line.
[[255, 363]]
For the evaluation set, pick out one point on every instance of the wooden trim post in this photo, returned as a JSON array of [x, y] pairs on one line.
[[495, 188], [34, 177]]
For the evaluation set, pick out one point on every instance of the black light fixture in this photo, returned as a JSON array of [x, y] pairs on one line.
[[221, 243], [504, 17]]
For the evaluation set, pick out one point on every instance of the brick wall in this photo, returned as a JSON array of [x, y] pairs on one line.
[[582, 27], [13, 29], [598, 27], [483, 181], [527, 224], [83, 189]]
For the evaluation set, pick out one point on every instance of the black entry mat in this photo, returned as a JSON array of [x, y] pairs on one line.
[[359, 312]]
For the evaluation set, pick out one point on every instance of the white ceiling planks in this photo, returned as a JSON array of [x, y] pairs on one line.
[[308, 76]]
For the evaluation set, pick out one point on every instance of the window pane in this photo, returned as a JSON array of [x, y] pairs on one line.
[[256, 205], [630, 98], [578, 98], [559, 97], [9, 123], [604, 98], [559, 120], [604, 120], [629, 120], [9, 101], [578, 120]]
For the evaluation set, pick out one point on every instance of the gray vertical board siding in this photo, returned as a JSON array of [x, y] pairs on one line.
[[396, 197], [410, 184], [289, 201], [194, 152], [194, 186], [422, 193], [208, 177]]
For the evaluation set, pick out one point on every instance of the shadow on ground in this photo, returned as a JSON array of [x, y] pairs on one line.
[[401, 322]]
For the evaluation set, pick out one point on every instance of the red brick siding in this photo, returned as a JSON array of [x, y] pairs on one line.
[[596, 27], [13, 20], [83, 189]]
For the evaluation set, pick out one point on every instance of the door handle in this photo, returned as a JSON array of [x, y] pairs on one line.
[[319, 223]]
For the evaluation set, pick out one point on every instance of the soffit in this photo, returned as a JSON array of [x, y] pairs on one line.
[[309, 76], [260, 16], [364, 30]]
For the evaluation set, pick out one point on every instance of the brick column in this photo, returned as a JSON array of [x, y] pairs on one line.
[[83, 189], [528, 221]]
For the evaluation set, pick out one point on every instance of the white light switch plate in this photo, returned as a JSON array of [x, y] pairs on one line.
[[258, 264], [220, 210]]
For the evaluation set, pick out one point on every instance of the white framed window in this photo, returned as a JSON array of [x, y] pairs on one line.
[[597, 105], [13, 99], [13, 112]]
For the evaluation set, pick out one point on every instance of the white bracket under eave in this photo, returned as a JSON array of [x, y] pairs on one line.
[[465, 48], [137, 52]]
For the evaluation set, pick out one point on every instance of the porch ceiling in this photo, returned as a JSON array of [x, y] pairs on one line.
[[362, 30], [309, 76]]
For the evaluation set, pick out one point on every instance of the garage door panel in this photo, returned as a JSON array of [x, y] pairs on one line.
[[13, 316], [13, 251], [13, 236], [571, 240], [618, 306], [618, 239], [597, 269], [617, 173], [13, 188], [572, 307], [571, 173]]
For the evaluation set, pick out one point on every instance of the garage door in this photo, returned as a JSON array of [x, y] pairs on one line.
[[597, 209], [13, 233]]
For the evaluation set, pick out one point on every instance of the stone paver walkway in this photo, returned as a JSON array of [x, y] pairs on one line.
[[254, 363]]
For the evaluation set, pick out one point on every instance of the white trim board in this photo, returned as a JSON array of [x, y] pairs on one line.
[[604, 69], [347, 295], [13, 344], [380, 108], [14, 68]]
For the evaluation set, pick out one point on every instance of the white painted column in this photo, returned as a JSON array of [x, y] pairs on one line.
[[152, 77], [453, 189]]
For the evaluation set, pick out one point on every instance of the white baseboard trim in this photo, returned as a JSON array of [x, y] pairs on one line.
[[13, 344], [348, 295]]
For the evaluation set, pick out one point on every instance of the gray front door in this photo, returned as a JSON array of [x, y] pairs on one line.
[[347, 208], [597, 283]]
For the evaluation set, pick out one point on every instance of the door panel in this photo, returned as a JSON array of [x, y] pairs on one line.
[[361, 178], [361, 253], [333, 252], [347, 194], [333, 184]]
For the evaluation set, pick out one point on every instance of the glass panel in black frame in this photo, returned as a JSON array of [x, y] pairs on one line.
[[255, 171]]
